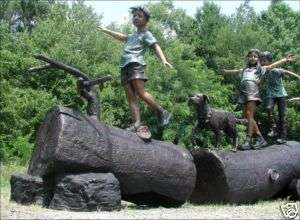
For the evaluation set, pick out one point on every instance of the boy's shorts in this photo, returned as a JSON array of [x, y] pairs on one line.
[[132, 71], [249, 91]]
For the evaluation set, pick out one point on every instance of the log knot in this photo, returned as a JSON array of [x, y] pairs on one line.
[[273, 175]]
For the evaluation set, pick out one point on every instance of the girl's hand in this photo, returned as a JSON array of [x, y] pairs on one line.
[[168, 65], [291, 57]]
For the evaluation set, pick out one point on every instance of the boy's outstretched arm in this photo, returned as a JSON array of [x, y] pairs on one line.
[[230, 72], [114, 34], [289, 58], [290, 73], [161, 56]]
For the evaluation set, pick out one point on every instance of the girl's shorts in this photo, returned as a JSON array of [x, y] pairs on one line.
[[132, 71], [249, 91]]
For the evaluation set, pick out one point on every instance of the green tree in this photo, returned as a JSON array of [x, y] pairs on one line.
[[282, 24], [208, 20], [21, 111], [24, 14], [68, 34]]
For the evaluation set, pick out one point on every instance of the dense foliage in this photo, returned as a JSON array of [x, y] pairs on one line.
[[197, 47]]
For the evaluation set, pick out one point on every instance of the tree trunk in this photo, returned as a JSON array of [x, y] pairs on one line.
[[245, 176], [69, 141]]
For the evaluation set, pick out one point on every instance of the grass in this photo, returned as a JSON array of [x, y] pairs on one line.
[[7, 170], [259, 210]]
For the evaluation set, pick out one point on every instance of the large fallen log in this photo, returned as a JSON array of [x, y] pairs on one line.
[[149, 173], [246, 176]]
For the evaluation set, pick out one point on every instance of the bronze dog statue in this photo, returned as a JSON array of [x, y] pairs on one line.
[[216, 120]]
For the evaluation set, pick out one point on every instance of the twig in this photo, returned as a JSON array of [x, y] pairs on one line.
[[85, 86]]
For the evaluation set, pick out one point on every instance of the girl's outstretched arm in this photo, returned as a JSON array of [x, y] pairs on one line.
[[114, 34], [290, 73], [231, 72], [161, 56], [289, 58]]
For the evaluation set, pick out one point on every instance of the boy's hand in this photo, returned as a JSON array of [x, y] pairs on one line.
[[294, 99], [291, 57], [168, 65], [100, 28]]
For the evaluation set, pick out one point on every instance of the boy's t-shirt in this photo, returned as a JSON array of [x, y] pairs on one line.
[[274, 84], [135, 47], [252, 73]]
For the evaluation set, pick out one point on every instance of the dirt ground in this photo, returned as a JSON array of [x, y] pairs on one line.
[[260, 210]]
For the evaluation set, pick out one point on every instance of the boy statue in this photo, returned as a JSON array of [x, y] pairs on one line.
[[132, 66]]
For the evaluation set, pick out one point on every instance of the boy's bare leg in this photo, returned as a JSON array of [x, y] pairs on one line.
[[270, 111], [282, 122], [162, 114], [271, 120], [133, 104], [139, 88]]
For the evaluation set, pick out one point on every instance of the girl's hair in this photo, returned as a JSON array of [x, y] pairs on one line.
[[267, 55], [256, 51], [143, 9]]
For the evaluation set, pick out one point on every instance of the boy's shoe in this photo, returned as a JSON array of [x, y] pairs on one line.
[[164, 117], [281, 140], [143, 132], [260, 143], [272, 133]]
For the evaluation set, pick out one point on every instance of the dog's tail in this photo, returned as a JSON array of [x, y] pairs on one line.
[[241, 121]]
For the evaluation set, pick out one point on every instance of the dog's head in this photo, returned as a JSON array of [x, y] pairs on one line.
[[199, 100], [200, 104]]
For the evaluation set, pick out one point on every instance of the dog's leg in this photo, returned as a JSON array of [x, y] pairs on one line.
[[235, 143], [192, 136], [217, 137]]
